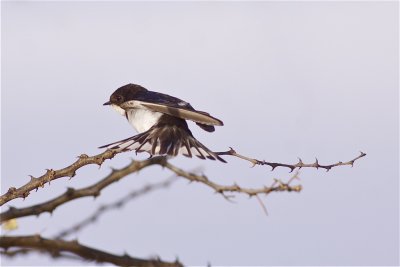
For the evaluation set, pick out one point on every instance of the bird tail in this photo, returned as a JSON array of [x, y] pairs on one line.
[[169, 140]]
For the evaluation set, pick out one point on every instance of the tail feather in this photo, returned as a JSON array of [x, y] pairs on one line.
[[170, 141]]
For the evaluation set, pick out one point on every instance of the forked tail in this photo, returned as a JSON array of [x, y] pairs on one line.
[[170, 141]]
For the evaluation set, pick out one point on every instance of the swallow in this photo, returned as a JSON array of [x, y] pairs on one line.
[[160, 121]]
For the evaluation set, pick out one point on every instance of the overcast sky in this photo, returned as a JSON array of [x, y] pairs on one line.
[[289, 79]]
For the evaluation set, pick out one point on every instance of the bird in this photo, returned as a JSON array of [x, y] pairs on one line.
[[160, 121]]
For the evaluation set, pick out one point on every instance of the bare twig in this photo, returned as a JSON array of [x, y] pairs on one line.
[[222, 189], [116, 175], [264, 208], [292, 167], [93, 190], [117, 204], [51, 175], [55, 247], [83, 160], [295, 176]]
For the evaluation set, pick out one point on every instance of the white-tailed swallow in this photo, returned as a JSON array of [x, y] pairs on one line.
[[160, 120]]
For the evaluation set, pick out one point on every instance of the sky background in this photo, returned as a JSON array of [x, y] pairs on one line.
[[289, 79]]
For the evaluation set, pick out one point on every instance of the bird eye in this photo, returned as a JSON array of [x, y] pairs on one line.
[[118, 98]]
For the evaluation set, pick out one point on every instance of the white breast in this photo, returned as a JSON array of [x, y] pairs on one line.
[[142, 119], [118, 109]]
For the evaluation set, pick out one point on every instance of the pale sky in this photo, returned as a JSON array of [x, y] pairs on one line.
[[289, 79]]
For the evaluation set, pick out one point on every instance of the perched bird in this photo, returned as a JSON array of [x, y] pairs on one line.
[[160, 120]]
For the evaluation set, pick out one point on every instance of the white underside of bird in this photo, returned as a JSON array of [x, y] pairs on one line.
[[140, 118]]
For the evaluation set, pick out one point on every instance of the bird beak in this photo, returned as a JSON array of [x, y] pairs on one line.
[[107, 103]]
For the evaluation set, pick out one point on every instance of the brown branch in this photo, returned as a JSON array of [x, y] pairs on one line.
[[116, 175], [84, 159], [51, 175], [278, 186], [58, 246], [292, 167], [115, 205], [71, 194]]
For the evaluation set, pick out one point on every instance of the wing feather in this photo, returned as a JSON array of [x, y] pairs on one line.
[[180, 112]]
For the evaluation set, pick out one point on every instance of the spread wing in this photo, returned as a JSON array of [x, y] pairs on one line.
[[172, 106]]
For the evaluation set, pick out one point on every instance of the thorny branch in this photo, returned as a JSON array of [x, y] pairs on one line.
[[93, 190], [83, 160], [51, 175], [135, 166], [235, 188], [56, 247], [300, 164]]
